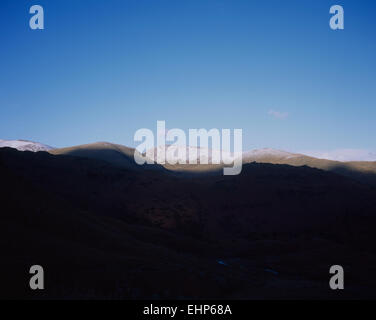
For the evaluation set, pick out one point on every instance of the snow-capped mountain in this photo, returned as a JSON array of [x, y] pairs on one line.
[[258, 154], [182, 153], [24, 145], [185, 154]]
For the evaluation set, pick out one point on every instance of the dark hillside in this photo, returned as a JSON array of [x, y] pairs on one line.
[[101, 231]]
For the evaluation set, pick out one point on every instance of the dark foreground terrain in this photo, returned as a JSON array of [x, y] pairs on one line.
[[108, 232]]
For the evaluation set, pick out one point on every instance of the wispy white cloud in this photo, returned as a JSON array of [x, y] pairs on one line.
[[343, 154], [278, 114]]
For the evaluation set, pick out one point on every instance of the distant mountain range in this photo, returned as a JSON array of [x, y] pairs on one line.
[[122, 156]]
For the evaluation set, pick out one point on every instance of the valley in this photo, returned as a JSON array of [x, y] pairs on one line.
[[102, 230]]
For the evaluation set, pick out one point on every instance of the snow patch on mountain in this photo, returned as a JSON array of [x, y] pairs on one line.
[[25, 145], [183, 154], [267, 152], [187, 154]]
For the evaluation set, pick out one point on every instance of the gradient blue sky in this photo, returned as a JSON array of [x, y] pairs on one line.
[[103, 69]]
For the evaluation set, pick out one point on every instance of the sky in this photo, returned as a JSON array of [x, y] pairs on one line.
[[100, 70]]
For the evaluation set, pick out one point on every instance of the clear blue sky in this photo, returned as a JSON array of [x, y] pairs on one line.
[[100, 70]]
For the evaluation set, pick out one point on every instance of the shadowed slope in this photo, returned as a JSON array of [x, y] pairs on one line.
[[103, 231]]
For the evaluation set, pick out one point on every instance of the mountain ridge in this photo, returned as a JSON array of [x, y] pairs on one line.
[[120, 155]]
